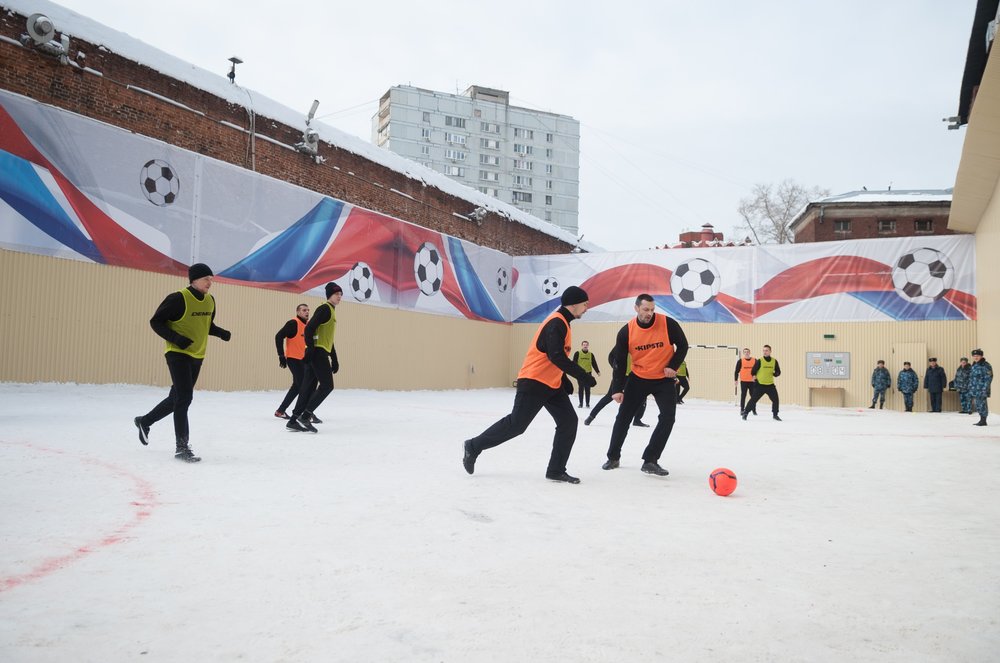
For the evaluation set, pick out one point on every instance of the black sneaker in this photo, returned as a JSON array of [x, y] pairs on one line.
[[143, 431], [562, 477], [640, 424], [469, 457], [680, 401], [186, 455], [305, 420], [744, 414], [281, 415], [776, 418], [610, 465], [654, 468], [293, 426], [588, 421], [314, 419]]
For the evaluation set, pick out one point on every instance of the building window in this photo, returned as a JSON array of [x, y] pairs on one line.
[[454, 138], [427, 116], [524, 133], [842, 226], [548, 184], [489, 160], [548, 153], [520, 164], [451, 121], [548, 169], [489, 191], [523, 149], [489, 127], [548, 138], [548, 216], [454, 171], [489, 143], [522, 197], [522, 181], [425, 134], [489, 176], [425, 149], [923, 225], [548, 200], [886, 226], [456, 155]]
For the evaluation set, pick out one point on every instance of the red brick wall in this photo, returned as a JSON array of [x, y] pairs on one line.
[[864, 222], [108, 98]]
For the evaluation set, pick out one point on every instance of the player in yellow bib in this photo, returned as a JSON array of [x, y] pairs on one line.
[[320, 360], [185, 319]]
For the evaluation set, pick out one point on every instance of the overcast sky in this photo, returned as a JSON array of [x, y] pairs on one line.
[[683, 106]]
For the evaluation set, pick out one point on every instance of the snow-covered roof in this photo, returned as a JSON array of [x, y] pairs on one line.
[[73, 24], [889, 196]]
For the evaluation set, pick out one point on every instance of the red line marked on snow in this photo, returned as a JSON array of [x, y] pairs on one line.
[[142, 507]]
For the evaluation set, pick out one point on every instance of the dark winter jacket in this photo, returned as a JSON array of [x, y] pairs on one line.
[[881, 379], [907, 381], [962, 375], [935, 380], [980, 379]]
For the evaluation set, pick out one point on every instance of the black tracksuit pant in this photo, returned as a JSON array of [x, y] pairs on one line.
[[317, 382], [531, 396], [683, 387], [297, 367], [771, 391], [637, 389], [584, 391], [746, 389], [607, 399], [184, 370]]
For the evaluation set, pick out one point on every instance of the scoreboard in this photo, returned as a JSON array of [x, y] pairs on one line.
[[828, 365]]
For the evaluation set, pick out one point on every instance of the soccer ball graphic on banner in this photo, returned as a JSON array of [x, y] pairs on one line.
[[159, 183], [923, 276], [550, 286], [428, 269], [503, 280], [695, 283], [362, 281]]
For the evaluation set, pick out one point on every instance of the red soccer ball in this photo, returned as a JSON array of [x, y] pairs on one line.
[[722, 481]]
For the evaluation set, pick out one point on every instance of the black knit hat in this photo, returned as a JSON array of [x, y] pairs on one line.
[[573, 295], [977, 351], [198, 270], [332, 289]]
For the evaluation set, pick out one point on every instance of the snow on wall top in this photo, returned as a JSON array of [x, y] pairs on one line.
[[76, 25], [900, 196]]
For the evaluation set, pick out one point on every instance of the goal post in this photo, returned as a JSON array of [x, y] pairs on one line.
[[711, 369]]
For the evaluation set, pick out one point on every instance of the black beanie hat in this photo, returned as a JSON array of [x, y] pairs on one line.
[[977, 352], [332, 289], [573, 295], [197, 271]]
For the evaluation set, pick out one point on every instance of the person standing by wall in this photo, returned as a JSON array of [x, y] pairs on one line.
[[683, 383], [881, 381], [743, 376], [185, 319], [907, 382], [980, 381], [657, 346], [962, 374], [291, 344], [935, 382], [588, 362], [764, 371], [321, 362], [542, 383]]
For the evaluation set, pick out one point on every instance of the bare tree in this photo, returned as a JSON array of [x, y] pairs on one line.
[[770, 209]]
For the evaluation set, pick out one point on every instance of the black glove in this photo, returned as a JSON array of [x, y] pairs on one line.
[[183, 342], [334, 364], [225, 335], [592, 380], [281, 361], [567, 385]]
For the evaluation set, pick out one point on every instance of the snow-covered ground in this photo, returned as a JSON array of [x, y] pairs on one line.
[[853, 535]]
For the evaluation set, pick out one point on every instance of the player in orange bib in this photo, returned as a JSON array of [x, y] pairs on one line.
[[657, 346], [291, 344], [542, 382]]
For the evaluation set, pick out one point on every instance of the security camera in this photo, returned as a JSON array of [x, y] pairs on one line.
[[41, 29]]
